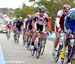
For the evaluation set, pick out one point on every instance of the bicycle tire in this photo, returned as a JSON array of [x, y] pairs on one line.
[[43, 47], [32, 52], [24, 40], [38, 52], [8, 35]]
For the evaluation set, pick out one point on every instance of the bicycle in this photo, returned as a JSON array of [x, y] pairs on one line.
[[25, 38], [39, 47], [16, 36], [71, 53], [8, 34], [60, 52], [29, 40]]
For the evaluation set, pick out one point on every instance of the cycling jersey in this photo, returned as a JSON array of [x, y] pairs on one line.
[[59, 23], [41, 22], [8, 26], [70, 20], [30, 24], [14, 23], [19, 24], [28, 21]]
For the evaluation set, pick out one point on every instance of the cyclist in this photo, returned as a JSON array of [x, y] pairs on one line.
[[19, 25], [8, 26], [27, 26], [14, 24], [39, 23], [26, 20], [59, 24], [70, 26]]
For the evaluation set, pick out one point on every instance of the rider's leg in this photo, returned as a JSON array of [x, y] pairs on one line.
[[23, 33], [56, 40], [67, 41], [19, 34], [28, 34], [56, 43], [34, 38], [19, 31]]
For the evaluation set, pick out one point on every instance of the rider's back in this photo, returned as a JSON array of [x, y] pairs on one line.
[[70, 20]]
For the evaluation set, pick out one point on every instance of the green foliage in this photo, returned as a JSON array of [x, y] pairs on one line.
[[52, 6], [31, 0], [25, 11]]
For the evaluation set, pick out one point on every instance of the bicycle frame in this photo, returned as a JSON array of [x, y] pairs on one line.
[[61, 48], [16, 36], [30, 39], [72, 53], [40, 44], [8, 33]]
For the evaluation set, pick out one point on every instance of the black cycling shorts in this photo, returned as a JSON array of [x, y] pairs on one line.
[[19, 29], [30, 27], [39, 27]]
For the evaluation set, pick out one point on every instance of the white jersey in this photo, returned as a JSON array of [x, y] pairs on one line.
[[41, 20], [59, 23], [59, 15]]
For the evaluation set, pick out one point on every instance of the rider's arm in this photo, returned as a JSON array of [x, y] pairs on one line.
[[57, 21], [33, 22], [27, 25], [49, 25]]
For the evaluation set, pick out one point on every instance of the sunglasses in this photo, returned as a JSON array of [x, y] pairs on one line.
[[41, 11], [65, 11]]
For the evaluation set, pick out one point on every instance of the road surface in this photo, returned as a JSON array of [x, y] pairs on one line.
[[11, 53]]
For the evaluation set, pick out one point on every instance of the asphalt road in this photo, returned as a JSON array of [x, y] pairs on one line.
[[11, 53]]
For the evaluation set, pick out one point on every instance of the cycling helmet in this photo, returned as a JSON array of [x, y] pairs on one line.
[[66, 7], [41, 8], [20, 18], [28, 16]]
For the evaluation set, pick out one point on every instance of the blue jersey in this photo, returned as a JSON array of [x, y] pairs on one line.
[[70, 20], [30, 21], [14, 23]]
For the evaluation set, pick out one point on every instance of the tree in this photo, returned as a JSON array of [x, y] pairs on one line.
[[23, 5], [52, 6], [25, 11]]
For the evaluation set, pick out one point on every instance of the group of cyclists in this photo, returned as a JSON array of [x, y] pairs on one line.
[[42, 22]]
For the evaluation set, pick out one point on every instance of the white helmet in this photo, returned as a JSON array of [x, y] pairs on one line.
[[20, 18], [29, 16], [66, 7]]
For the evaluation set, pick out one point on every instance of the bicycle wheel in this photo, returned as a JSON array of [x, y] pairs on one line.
[[24, 40], [71, 54], [32, 52], [73, 61], [8, 35], [42, 50], [17, 38], [62, 61], [58, 53], [43, 47], [14, 37], [38, 51]]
